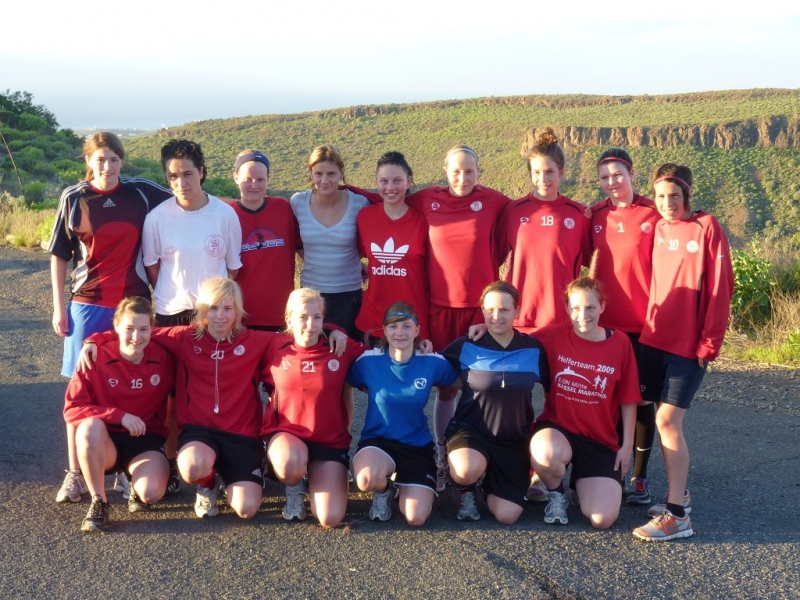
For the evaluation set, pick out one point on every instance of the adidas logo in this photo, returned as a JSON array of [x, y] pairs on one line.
[[257, 472], [109, 204], [388, 255]]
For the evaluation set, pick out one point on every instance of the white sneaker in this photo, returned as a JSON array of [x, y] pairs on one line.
[[467, 508], [205, 504], [294, 509], [556, 509], [122, 485], [381, 509], [72, 488]]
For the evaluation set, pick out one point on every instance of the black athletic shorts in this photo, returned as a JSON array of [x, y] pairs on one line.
[[129, 447], [414, 465], [508, 464], [590, 458], [238, 456]]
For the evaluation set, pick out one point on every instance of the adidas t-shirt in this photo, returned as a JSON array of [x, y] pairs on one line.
[[397, 252]]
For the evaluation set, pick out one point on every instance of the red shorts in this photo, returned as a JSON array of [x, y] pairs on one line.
[[447, 324]]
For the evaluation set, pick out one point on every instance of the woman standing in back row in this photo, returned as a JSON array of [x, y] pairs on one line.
[[327, 219], [544, 235], [687, 315], [622, 230]]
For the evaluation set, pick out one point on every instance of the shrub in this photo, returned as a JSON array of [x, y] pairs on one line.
[[752, 285], [33, 192]]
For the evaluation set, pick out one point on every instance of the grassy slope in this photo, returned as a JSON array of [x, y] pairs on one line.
[[752, 190]]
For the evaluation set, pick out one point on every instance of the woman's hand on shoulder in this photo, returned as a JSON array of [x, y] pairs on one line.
[[87, 357], [476, 332], [425, 346], [338, 342]]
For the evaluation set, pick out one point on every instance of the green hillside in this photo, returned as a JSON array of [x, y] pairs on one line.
[[743, 145]]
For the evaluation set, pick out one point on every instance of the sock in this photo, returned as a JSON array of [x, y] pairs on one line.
[[559, 489], [465, 489], [206, 482], [676, 509], [643, 440]]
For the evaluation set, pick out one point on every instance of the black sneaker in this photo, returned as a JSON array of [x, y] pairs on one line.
[[135, 504], [97, 517], [174, 481]]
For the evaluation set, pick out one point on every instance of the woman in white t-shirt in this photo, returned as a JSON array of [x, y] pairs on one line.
[[188, 238]]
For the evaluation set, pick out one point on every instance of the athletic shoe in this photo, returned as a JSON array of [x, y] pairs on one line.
[[442, 474], [467, 508], [381, 509], [295, 509], [135, 504], [122, 485], [537, 491], [205, 504], [574, 499], [640, 492], [174, 481], [97, 517], [665, 527], [72, 488], [661, 507], [556, 509]]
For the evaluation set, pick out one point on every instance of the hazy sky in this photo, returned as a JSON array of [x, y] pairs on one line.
[[148, 63]]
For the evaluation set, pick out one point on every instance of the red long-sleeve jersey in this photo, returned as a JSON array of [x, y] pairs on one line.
[[116, 386], [691, 288], [624, 238], [397, 252], [544, 245], [308, 399]]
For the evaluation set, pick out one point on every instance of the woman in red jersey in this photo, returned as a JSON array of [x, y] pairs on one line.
[[687, 315], [622, 228], [270, 239], [98, 227], [118, 410], [394, 238], [307, 422], [593, 379], [544, 236]]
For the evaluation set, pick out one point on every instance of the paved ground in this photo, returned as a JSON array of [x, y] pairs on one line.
[[745, 480]]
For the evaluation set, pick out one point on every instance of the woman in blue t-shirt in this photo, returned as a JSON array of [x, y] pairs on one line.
[[396, 438]]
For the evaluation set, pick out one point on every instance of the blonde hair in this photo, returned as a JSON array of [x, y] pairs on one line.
[[298, 298], [325, 153], [212, 292], [101, 139]]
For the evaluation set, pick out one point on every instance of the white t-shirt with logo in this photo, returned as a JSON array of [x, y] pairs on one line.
[[192, 247]]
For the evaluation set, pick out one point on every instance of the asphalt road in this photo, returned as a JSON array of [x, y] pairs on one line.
[[745, 483]]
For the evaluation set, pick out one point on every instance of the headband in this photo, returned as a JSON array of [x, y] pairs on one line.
[[402, 315], [254, 156], [616, 158], [676, 178], [464, 149]]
